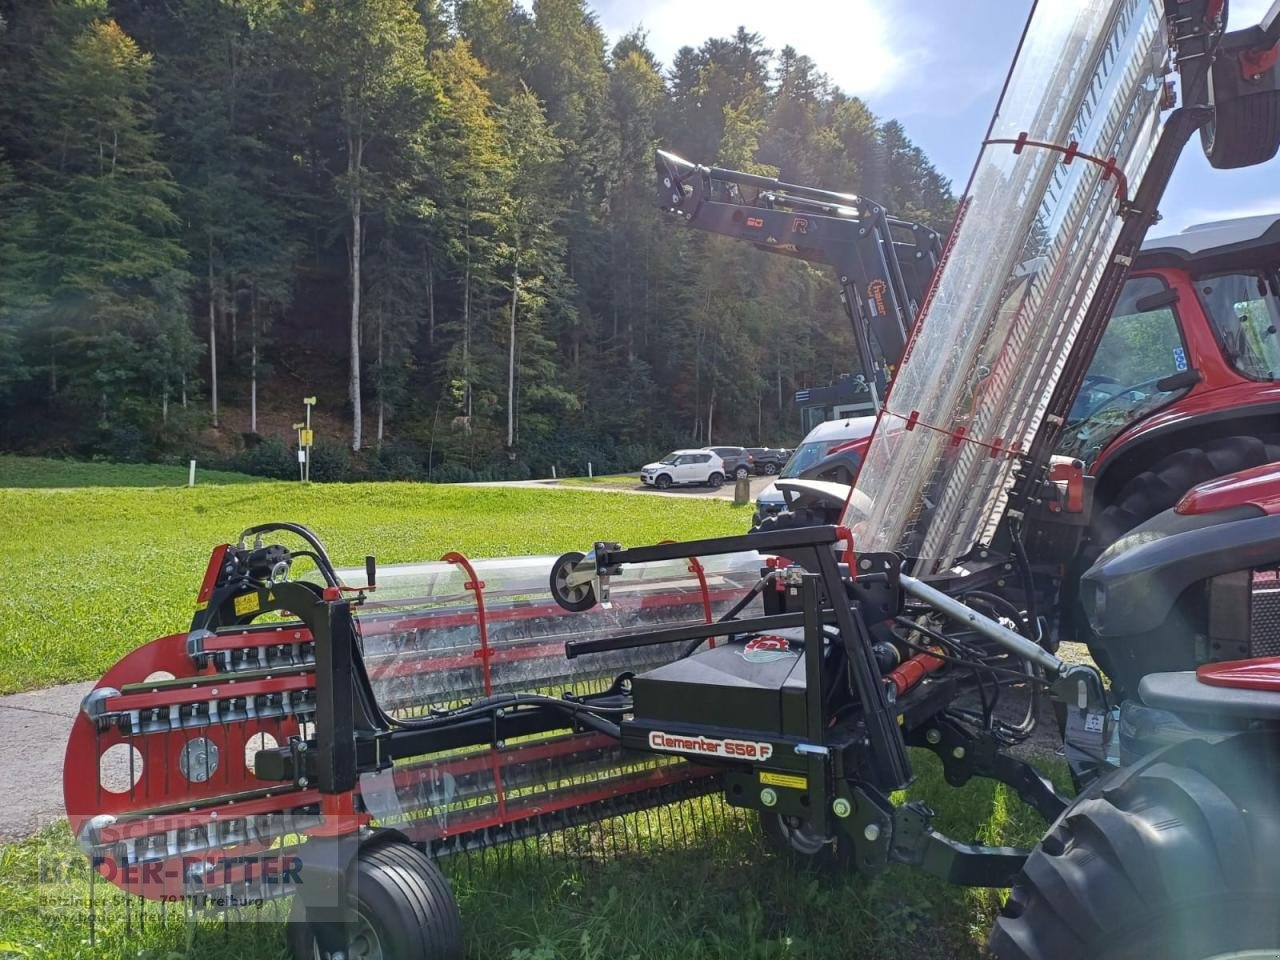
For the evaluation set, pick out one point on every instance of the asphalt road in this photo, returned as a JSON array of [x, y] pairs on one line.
[[725, 492]]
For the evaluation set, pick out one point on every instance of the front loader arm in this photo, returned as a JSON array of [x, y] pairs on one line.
[[883, 264]]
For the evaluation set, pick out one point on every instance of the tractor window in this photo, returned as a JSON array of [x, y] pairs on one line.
[[1139, 349], [1245, 309]]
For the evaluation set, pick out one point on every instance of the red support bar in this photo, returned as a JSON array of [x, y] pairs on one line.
[[695, 567], [210, 576], [850, 558], [476, 586], [1072, 150]]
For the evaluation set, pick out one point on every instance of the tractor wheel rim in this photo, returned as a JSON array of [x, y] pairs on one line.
[[364, 943]]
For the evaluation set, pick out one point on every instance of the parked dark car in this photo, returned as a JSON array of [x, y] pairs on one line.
[[769, 460], [738, 462]]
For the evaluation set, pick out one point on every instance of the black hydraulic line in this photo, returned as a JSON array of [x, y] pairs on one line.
[[773, 542], [298, 530], [699, 632], [733, 611]]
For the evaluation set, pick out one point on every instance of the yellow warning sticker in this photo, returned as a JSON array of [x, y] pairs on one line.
[[247, 604], [783, 780]]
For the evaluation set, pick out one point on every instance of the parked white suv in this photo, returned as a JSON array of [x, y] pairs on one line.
[[684, 467]]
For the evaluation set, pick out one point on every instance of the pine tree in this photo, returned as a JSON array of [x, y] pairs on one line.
[[99, 276]]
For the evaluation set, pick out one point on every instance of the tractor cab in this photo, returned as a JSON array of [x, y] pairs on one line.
[[1193, 335]]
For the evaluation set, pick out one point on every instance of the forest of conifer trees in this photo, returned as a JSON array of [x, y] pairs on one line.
[[438, 217]]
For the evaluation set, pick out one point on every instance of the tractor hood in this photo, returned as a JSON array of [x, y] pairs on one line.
[[1072, 136]]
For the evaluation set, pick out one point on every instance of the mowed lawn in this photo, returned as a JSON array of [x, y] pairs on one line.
[[96, 571], [34, 472]]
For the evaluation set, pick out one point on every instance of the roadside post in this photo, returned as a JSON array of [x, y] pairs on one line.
[[306, 439], [302, 453], [741, 491]]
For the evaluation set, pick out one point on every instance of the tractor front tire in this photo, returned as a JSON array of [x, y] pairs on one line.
[[403, 909], [1176, 857], [1162, 485]]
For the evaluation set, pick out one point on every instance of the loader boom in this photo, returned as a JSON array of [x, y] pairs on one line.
[[883, 264]]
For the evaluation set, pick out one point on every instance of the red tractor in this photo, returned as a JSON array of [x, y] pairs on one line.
[[1181, 389]]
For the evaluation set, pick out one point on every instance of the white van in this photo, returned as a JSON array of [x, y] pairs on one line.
[[820, 441]]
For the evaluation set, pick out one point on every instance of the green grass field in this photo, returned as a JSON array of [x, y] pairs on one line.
[[104, 570], [623, 481], [692, 882], [37, 472]]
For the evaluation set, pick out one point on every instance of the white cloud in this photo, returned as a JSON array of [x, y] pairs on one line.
[[1245, 13], [852, 41]]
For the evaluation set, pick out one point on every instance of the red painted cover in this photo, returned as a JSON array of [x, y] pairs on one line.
[[1260, 674], [1259, 486]]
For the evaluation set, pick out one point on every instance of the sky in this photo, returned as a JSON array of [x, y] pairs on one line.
[[937, 67]]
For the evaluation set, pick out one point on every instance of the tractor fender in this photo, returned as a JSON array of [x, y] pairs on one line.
[[1256, 486]]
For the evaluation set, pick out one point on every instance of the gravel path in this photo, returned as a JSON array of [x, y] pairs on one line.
[[34, 727]]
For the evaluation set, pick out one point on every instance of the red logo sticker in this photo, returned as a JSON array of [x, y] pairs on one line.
[[766, 649]]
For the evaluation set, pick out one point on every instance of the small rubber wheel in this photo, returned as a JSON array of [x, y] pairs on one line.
[[663, 482], [740, 472], [715, 481], [403, 910], [798, 843], [576, 599], [1173, 857]]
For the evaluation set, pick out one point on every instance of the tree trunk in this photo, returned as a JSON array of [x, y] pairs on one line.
[[711, 409], [235, 319], [253, 359], [431, 304], [353, 167], [213, 343], [466, 324], [511, 357], [382, 405]]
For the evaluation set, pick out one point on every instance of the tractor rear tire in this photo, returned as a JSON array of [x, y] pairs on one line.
[[1176, 857], [403, 906], [1243, 132], [1161, 486]]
